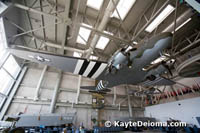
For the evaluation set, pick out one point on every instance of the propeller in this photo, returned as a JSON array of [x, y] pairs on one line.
[[164, 63]]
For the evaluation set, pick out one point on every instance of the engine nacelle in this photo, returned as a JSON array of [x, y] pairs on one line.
[[118, 59]]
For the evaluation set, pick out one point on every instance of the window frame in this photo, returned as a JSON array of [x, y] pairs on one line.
[[3, 58]]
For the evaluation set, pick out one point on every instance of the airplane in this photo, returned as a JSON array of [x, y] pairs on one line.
[[126, 66]]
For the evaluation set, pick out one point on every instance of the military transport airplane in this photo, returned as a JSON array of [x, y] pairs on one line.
[[126, 66]]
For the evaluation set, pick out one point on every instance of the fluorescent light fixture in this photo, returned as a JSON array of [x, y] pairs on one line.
[[103, 41], [77, 54], [96, 4], [83, 34], [92, 57], [180, 26], [123, 8], [160, 18]]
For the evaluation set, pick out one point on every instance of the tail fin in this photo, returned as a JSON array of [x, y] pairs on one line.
[[99, 88]]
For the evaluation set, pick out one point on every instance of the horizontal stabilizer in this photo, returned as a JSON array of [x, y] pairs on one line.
[[88, 87], [92, 89], [99, 92]]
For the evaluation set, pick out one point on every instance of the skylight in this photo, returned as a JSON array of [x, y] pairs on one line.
[[76, 54], [103, 41], [123, 8], [96, 4], [160, 18], [188, 20], [83, 34], [92, 57]]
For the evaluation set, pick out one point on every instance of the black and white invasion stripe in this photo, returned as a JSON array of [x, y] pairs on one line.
[[101, 85], [89, 69]]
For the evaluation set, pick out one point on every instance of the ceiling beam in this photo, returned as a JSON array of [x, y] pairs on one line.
[[65, 26], [107, 35], [42, 16], [150, 20], [30, 24], [102, 25], [36, 29], [95, 30], [35, 11]]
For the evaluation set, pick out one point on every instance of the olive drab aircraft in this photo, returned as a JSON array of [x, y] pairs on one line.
[[126, 66]]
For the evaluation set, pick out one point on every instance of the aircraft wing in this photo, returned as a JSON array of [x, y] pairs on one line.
[[79, 66], [158, 81]]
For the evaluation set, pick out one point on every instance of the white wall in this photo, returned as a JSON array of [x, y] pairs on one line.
[[184, 110], [23, 100]]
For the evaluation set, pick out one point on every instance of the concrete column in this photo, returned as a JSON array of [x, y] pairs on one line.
[[39, 83], [55, 93], [115, 96], [129, 105], [78, 89]]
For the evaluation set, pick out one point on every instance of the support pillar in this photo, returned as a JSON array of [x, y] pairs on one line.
[[78, 89], [55, 93], [129, 105], [39, 83]]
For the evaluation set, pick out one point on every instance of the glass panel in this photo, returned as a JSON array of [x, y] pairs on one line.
[[160, 18], [12, 66], [103, 41], [5, 81], [92, 57], [2, 99], [96, 4], [83, 34], [123, 8], [77, 54], [2, 38]]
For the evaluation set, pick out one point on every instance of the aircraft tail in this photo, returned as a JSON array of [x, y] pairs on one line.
[[100, 88], [92, 89]]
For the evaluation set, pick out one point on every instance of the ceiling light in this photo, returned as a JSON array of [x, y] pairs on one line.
[[123, 8], [77, 54], [103, 41], [160, 18], [83, 34], [182, 24], [96, 4]]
